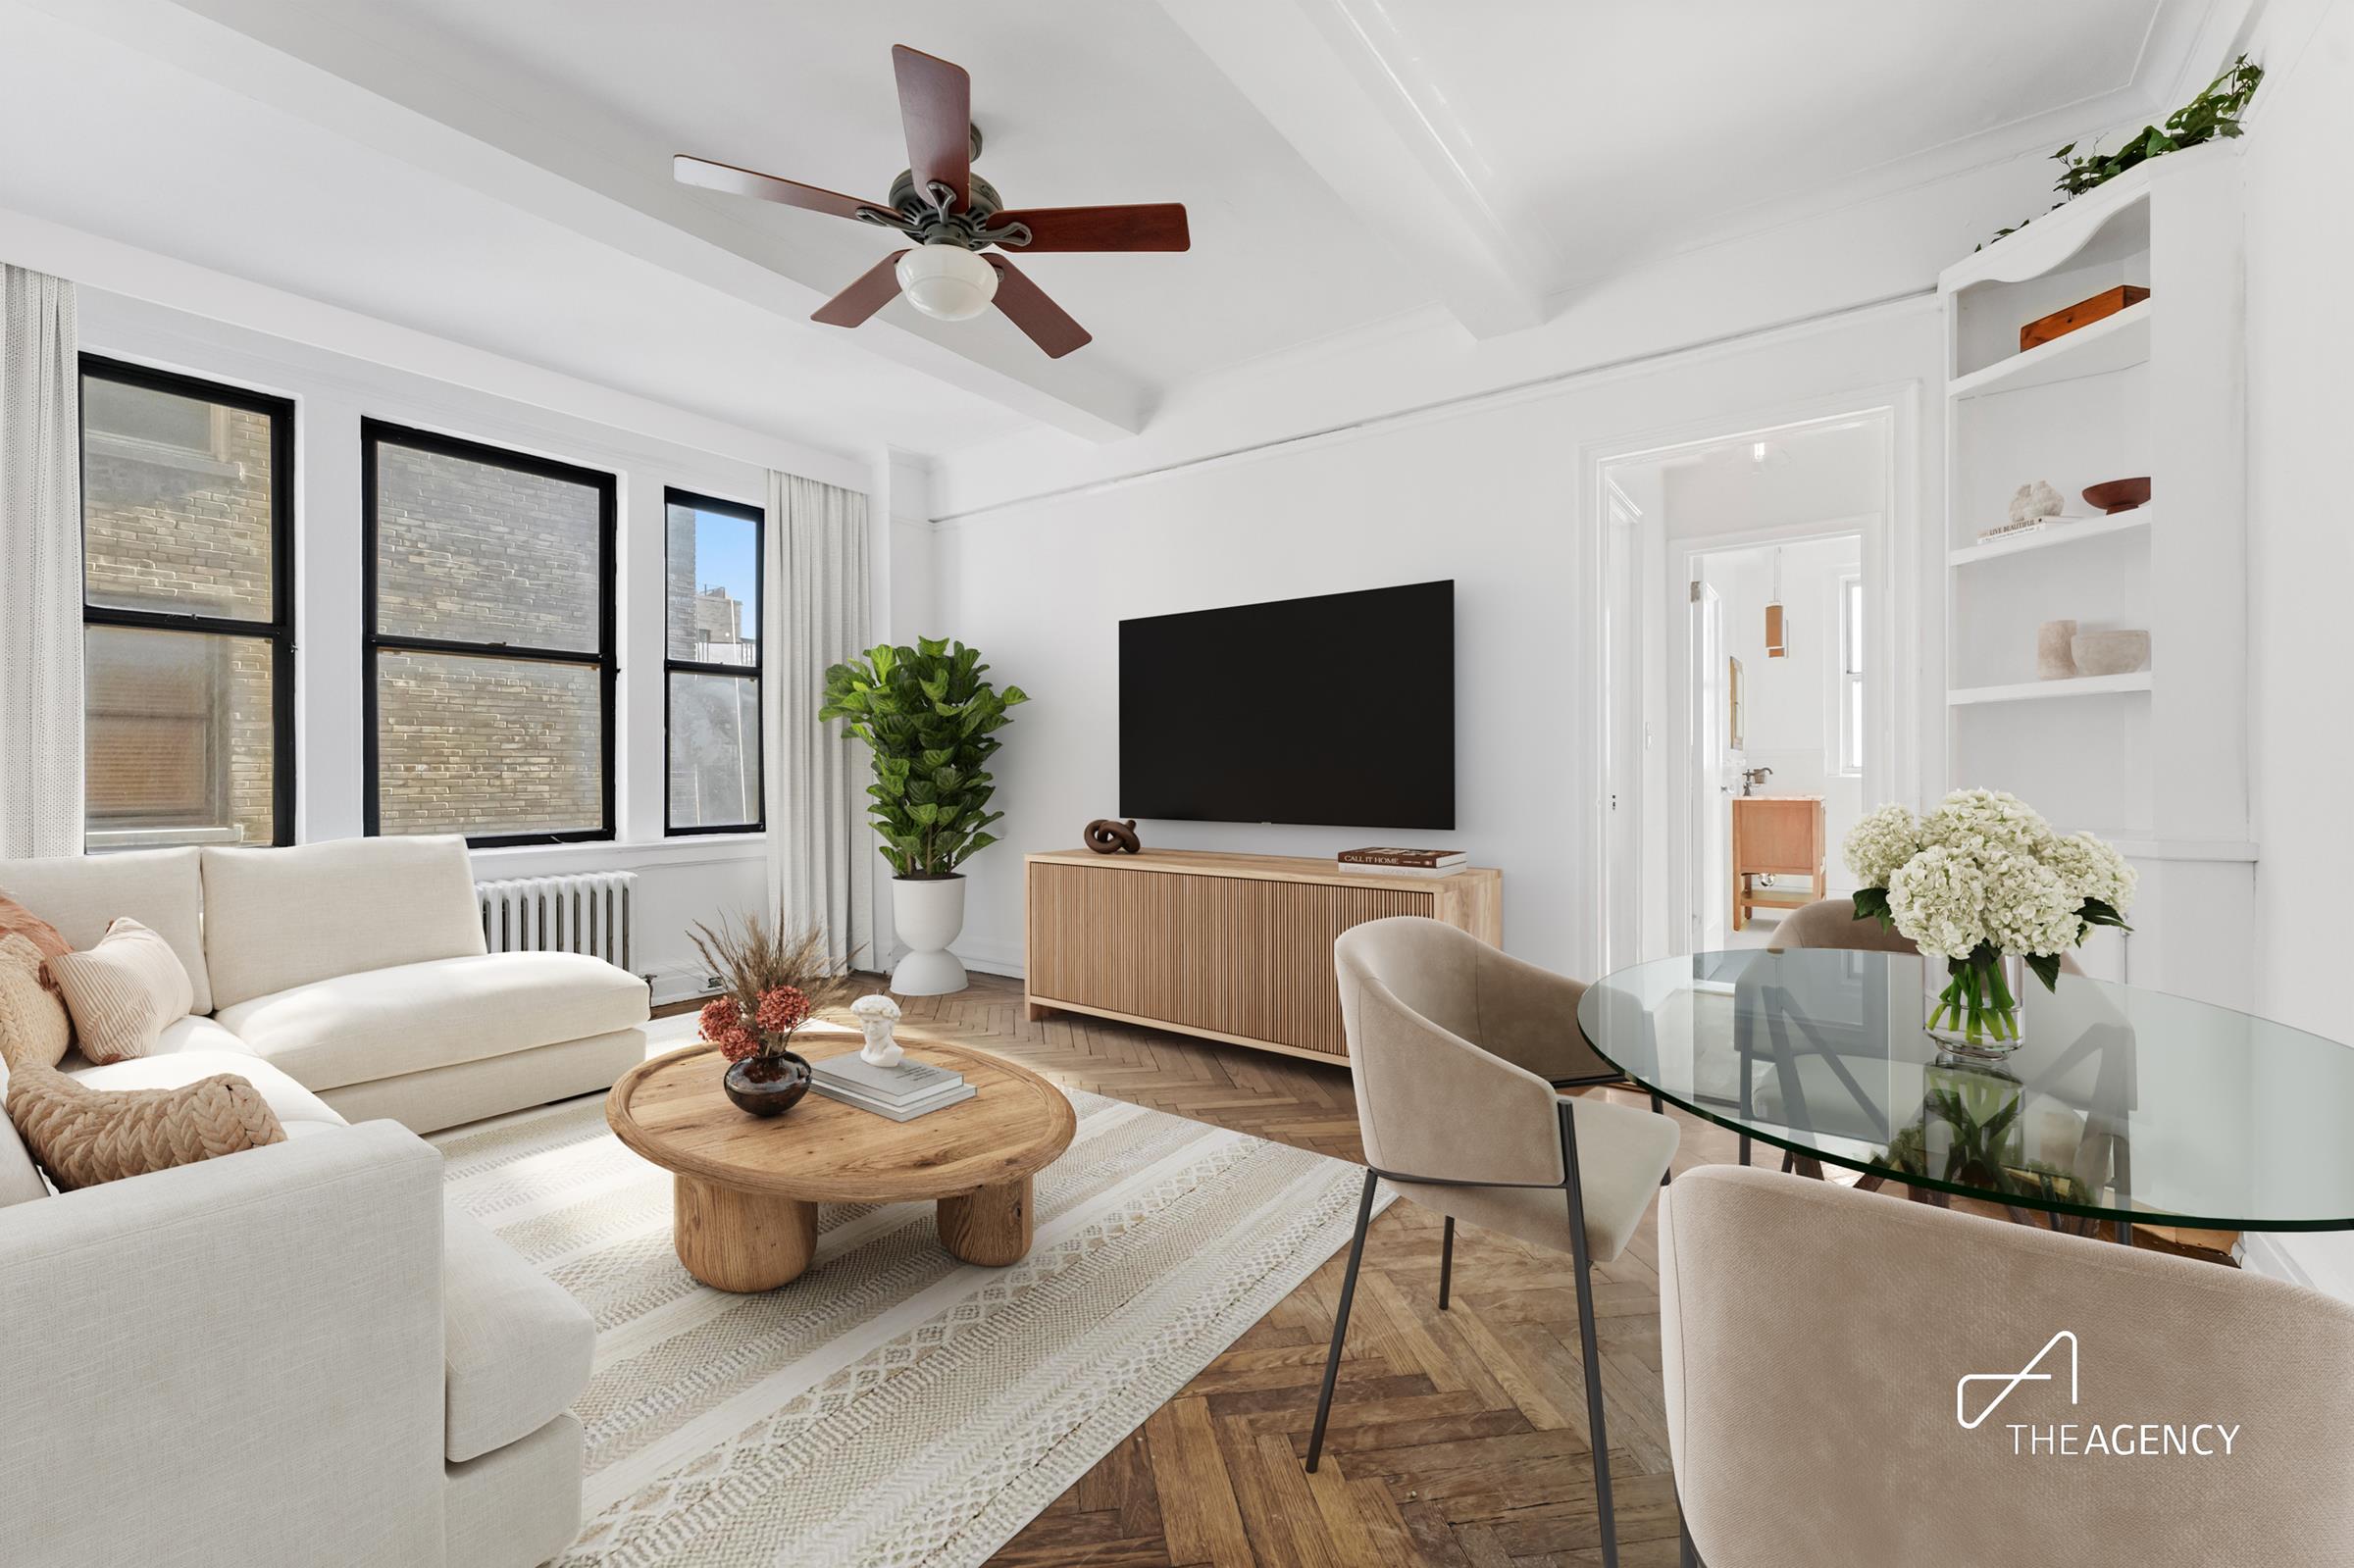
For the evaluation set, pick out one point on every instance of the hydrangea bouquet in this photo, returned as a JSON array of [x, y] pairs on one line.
[[1981, 880]]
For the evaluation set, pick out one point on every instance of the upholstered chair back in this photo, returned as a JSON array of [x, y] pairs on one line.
[[1839, 1390]]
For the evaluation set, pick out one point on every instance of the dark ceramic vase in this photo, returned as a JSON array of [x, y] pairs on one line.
[[767, 1086]]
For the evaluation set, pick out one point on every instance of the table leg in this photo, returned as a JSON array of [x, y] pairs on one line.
[[741, 1241], [991, 1226]]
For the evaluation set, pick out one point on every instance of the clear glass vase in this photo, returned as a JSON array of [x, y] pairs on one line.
[[1975, 1006]]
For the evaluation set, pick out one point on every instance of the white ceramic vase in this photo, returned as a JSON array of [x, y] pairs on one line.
[[929, 912]]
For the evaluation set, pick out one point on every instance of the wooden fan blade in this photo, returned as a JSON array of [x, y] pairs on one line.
[[875, 288], [936, 105], [1045, 322], [768, 187], [1150, 226]]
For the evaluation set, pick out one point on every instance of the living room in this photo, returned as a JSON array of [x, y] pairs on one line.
[[698, 869]]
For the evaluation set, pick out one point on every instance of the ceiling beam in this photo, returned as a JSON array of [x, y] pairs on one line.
[[358, 76], [1328, 77]]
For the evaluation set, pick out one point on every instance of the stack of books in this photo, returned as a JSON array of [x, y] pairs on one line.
[[1390, 861], [901, 1092]]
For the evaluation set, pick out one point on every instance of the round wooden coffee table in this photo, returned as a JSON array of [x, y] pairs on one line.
[[747, 1188]]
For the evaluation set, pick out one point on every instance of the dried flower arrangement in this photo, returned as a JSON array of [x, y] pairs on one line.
[[778, 977]]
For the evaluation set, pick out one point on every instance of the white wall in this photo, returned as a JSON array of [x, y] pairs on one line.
[[2300, 408], [1482, 492], [679, 880]]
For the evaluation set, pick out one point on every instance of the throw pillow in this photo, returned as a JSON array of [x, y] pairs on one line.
[[124, 992], [34, 1031], [82, 1137], [17, 920]]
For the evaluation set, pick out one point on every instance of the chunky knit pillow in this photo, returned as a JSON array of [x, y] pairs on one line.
[[124, 992], [82, 1137], [17, 920], [33, 1030]]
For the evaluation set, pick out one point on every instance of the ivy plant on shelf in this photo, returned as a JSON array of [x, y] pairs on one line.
[[2214, 113], [930, 721]]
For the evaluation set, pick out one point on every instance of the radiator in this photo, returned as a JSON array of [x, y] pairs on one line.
[[589, 913]]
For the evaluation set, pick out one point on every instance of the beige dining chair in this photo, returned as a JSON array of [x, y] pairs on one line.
[[1852, 1383], [1458, 1050], [1832, 922]]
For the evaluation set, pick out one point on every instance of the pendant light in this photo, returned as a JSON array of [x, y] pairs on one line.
[[1777, 629]]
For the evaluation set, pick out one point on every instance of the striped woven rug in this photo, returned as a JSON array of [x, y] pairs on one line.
[[894, 1407]]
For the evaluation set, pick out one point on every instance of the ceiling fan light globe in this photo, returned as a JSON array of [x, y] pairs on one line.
[[946, 283]]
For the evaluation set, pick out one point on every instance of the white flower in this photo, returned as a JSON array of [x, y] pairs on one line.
[[1986, 820], [1938, 900], [2090, 870], [1881, 843], [2029, 909]]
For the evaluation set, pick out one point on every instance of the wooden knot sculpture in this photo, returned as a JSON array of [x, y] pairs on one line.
[[1107, 837]]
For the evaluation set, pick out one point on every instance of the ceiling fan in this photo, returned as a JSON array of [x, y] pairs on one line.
[[952, 273]]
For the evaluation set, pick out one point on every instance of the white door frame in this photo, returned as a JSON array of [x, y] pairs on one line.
[[1894, 573]]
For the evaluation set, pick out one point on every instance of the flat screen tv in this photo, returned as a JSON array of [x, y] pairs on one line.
[[1336, 710]]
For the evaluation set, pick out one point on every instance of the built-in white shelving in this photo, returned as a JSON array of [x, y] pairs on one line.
[[2083, 685], [2152, 389], [2111, 343], [2052, 536]]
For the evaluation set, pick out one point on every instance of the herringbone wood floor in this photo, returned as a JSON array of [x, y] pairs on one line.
[[1458, 1437]]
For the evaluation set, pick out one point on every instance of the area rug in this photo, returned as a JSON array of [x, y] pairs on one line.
[[894, 1407]]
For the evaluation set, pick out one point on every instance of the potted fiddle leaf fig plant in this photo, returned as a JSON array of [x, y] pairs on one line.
[[931, 723]]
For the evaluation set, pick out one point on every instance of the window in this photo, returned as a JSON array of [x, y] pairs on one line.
[[188, 610], [711, 662], [1849, 695], [489, 641]]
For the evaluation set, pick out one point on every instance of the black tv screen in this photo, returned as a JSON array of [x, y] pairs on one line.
[[1336, 710]]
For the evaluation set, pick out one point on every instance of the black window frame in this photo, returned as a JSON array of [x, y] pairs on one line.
[[375, 432], [279, 631], [756, 672]]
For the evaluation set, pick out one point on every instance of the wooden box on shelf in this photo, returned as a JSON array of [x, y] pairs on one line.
[[2084, 313], [1230, 947]]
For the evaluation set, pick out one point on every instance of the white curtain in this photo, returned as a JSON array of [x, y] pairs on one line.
[[821, 853], [40, 568]]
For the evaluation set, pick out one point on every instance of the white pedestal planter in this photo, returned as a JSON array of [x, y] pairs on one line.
[[929, 912]]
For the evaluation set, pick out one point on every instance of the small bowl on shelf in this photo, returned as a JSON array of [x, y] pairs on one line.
[[2119, 495], [2098, 653]]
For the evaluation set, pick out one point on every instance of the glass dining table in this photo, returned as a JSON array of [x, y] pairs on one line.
[[2121, 1105]]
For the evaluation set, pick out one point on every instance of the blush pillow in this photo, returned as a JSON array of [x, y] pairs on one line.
[[124, 992], [34, 1031]]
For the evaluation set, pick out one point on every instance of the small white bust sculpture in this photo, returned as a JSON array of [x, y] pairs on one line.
[[876, 1014]]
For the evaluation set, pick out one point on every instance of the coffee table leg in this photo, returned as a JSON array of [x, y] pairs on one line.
[[741, 1242], [991, 1226]]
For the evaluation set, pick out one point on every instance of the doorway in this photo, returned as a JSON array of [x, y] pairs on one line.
[[1746, 695]]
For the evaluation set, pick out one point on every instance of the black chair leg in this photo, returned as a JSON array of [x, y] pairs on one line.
[[1446, 1261], [1596, 1430], [1340, 1323], [1745, 1149], [1687, 1554]]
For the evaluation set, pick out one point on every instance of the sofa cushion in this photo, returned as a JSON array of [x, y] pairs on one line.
[[287, 1100], [274, 918], [124, 992], [382, 1023], [162, 889], [518, 1346]]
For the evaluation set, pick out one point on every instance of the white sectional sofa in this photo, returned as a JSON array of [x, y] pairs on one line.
[[355, 967], [299, 1355]]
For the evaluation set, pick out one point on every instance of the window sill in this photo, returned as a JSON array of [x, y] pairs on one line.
[[524, 860]]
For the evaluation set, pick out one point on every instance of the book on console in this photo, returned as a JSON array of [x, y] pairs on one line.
[[1383, 855], [896, 1111], [904, 1082], [1362, 868]]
